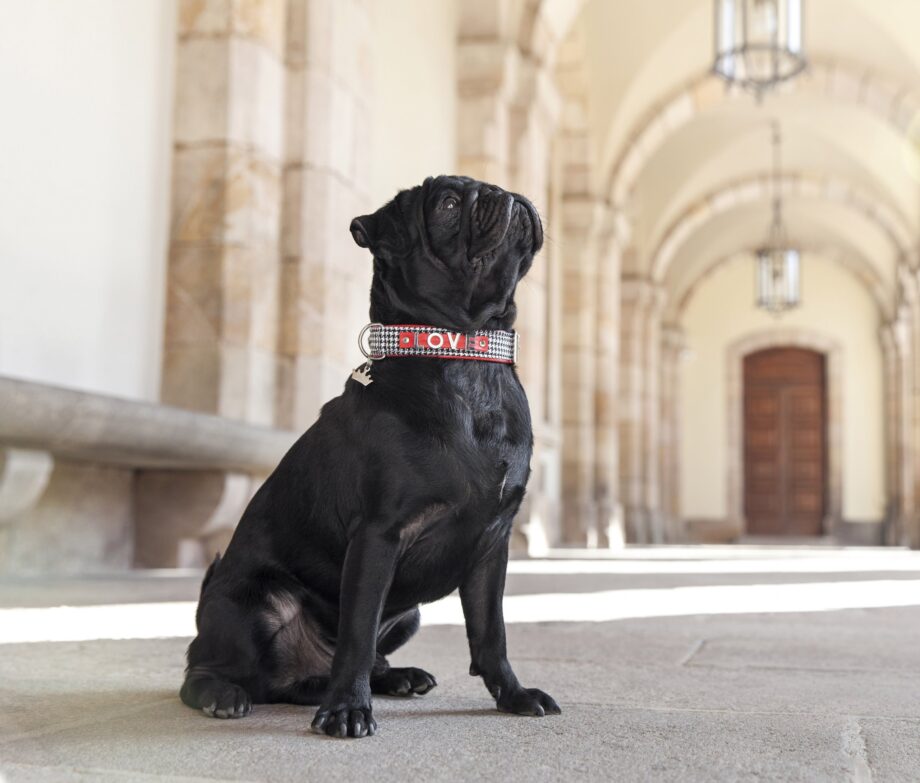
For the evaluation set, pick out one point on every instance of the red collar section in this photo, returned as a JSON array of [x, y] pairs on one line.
[[484, 345]]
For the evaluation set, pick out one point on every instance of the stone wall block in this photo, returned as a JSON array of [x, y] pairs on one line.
[[291, 304], [239, 377], [292, 234], [224, 195], [199, 190], [264, 300], [261, 21], [194, 302], [202, 111], [252, 200], [255, 99], [191, 376], [323, 99], [238, 286], [342, 140], [204, 17], [233, 97], [262, 373]]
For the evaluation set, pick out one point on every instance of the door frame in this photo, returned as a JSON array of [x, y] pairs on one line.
[[792, 337]]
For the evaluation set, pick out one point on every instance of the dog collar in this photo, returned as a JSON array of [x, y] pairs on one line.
[[484, 345]]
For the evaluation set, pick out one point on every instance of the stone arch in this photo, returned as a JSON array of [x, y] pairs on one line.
[[858, 265], [757, 188], [798, 337], [839, 81]]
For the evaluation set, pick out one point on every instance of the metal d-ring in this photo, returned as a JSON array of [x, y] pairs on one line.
[[366, 352]]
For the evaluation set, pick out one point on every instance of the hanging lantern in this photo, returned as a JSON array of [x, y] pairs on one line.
[[778, 271], [758, 43], [777, 279]]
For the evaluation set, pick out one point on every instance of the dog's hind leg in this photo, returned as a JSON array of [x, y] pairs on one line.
[[216, 697], [399, 681], [221, 676]]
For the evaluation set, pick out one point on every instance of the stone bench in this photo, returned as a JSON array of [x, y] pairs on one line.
[[90, 482]]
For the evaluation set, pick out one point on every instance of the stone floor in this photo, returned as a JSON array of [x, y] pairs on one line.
[[696, 664]]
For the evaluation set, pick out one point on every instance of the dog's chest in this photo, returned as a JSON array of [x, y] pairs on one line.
[[490, 454], [475, 468]]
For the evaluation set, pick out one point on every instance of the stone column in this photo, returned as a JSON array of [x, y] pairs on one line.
[[582, 218], [534, 112], [223, 271], [908, 341], [651, 410], [635, 299], [223, 277], [892, 415], [902, 329], [325, 276], [610, 531], [672, 350]]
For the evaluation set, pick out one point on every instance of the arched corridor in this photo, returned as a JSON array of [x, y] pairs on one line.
[[709, 566], [673, 189], [654, 180]]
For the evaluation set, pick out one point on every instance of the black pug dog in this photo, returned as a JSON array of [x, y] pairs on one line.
[[402, 491]]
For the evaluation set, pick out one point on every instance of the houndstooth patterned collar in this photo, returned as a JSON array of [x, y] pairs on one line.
[[485, 345]]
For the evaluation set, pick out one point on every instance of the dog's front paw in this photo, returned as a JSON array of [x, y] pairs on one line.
[[344, 718], [403, 682], [528, 701]]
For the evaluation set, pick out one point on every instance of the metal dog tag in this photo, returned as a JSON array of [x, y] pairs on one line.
[[362, 374]]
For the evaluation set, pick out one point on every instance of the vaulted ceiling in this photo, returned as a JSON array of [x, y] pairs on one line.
[[688, 160]]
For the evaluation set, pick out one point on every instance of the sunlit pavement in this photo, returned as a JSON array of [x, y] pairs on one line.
[[683, 664]]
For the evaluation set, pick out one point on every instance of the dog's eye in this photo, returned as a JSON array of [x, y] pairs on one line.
[[450, 203]]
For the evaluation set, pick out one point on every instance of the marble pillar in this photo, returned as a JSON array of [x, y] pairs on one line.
[[583, 218], [640, 344], [673, 346], [610, 530], [325, 277], [223, 270]]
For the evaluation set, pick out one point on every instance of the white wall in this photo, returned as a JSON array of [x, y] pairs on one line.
[[85, 129], [415, 94], [721, 312]]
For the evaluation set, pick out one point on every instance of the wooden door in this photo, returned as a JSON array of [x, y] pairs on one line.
[[785, 442]]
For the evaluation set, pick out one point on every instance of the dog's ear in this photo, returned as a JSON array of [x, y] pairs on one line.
[[364, 230], [383, 232]]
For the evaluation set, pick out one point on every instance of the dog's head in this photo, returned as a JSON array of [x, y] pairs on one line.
[[449, 253]]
